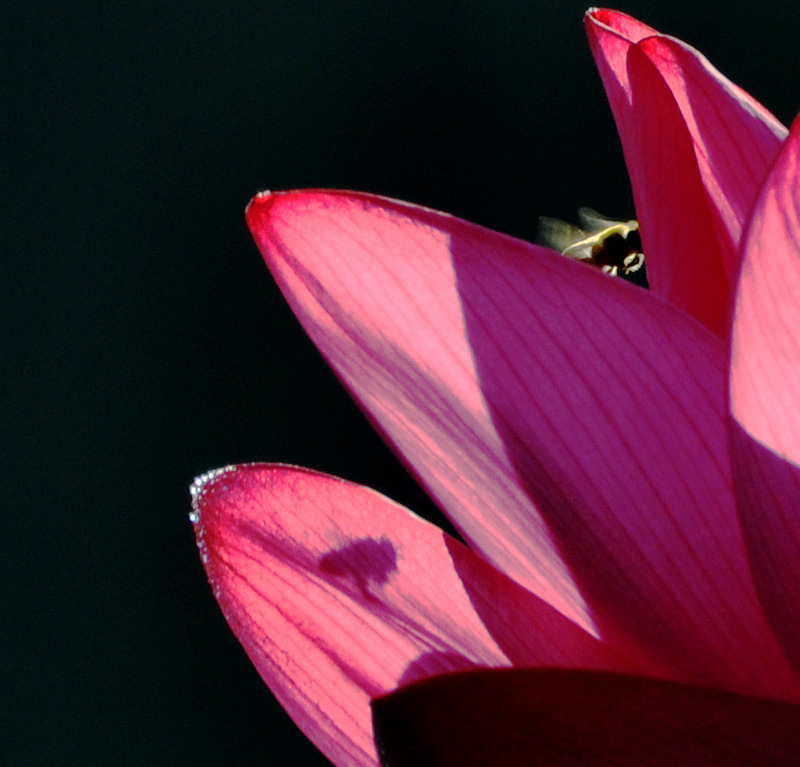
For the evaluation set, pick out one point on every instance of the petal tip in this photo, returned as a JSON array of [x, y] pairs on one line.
[[618, 23], [263, 206], [199, 490], [259, 206], [202, 481], [596, 14]]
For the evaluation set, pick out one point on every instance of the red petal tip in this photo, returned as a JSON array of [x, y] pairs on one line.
[[259, 205]]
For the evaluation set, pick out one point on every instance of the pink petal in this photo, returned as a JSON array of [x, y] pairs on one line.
[[560, 718], [572, 426], [697, 148], [765, 394], [338, 595]]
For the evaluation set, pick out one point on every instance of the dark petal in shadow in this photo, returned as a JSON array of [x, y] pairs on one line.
[[772, 538], [583, 719]]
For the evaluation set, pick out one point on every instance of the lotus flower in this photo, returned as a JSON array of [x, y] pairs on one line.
[[623, 464]]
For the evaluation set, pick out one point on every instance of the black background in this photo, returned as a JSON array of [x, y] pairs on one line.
[[144, 341]]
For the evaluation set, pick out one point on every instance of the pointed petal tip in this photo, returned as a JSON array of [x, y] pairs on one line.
[[591, 15], [264, 200], [618, 23], [227, 480], [258, 207], [259, 196], [203, 482], [262, 207], [258, 210], [262, 196], [196, 490], [202, 513], [598, 14], [601, 15], [208, 485]]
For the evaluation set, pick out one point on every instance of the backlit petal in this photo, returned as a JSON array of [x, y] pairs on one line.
[[697, 148], [765, 394], [571, 425], [566, 718], [338, 595]]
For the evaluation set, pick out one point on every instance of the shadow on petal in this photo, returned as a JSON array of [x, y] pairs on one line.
[[610, 405], [363, 563], [768, 487]]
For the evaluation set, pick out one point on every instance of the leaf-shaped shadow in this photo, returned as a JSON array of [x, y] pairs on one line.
[[365, 563]]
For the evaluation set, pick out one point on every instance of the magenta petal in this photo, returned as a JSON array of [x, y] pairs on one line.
[[338, 595], [572, 426], [765, 394], [697, 147], [539, 718]]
